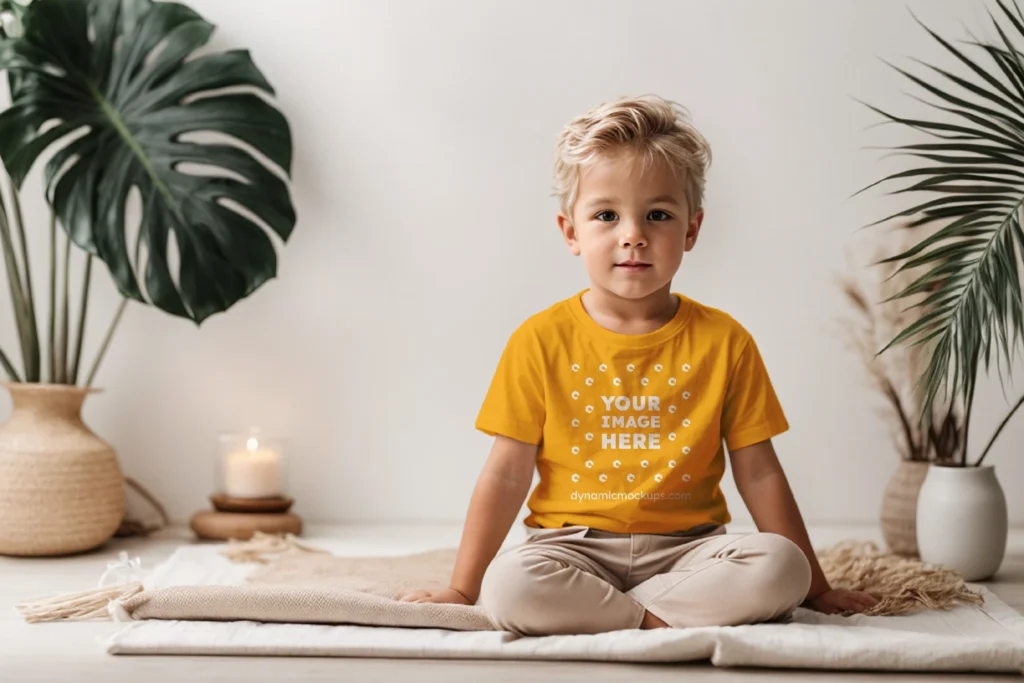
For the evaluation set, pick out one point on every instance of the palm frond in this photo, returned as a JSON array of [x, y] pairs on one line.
[[969, 269]]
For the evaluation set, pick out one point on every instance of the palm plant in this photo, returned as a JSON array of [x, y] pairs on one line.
[[972, 165], [113, 92]]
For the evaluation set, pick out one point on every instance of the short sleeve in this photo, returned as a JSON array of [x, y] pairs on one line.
[[514, 404], [751, 412]]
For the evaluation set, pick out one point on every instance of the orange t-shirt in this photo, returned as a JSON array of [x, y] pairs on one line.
[[630, 428]]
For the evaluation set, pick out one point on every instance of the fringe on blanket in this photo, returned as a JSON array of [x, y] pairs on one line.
[[97, 603], [903, 584], [125, 576], [264, 547]]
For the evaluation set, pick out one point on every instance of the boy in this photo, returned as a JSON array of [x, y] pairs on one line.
[[622, 396]]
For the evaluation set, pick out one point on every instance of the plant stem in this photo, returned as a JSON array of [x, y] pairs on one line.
[[969, 401], [106, 341], [34, 373], [1001, 425], [14, 284], [12, 374], [65, 313], [908, 432], [83, 307], [53, 298]]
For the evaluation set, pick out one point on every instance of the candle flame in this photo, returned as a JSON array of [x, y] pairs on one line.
[[252, 444]]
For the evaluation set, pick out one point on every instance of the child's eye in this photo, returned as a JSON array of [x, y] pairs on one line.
[[657, 215]]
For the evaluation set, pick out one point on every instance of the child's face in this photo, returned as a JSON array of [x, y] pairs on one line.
[[624, 215]]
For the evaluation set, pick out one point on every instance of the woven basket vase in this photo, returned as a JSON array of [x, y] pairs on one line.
[[61, 489], [899, 507]]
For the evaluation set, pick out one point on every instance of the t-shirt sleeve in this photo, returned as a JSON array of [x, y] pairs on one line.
[[751, 412], [514, 404]]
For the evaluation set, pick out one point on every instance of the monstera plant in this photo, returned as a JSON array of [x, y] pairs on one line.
[[113, 95], [166, 162]]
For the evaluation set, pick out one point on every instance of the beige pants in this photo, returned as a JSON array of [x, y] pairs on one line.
[[581, 580]]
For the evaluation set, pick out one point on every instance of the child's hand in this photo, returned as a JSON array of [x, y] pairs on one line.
[[443, 595], [839, 600]]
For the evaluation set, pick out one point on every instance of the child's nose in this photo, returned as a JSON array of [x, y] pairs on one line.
[[632, 237]]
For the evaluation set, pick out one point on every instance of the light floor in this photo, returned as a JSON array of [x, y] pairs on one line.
[[69, 651]]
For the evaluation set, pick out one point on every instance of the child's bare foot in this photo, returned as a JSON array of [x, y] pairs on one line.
[[651, 621]]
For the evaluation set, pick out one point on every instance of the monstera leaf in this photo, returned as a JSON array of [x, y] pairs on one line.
[[113, 90]]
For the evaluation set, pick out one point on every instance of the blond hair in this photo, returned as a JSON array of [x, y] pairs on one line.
[[648, 125]]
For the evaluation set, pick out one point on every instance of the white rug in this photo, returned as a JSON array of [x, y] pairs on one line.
[[985, 638]]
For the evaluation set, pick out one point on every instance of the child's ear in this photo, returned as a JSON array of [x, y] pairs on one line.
[[693, 230], [568, 231]]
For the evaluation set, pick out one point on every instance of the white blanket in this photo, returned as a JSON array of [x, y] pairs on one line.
[[967, 638]]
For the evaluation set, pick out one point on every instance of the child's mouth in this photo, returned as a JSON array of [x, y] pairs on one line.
[[633, 267]]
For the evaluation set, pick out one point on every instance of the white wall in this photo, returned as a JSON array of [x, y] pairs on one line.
[[424, 133]]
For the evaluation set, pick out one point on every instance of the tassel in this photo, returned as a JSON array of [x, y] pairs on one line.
[[90, 604]]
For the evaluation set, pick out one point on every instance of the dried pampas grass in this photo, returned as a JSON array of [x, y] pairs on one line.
[[875, 321]]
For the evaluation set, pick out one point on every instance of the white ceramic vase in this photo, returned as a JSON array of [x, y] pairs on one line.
[[962, 521]]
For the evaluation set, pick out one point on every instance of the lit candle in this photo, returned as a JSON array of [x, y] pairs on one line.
[[252, 473]]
